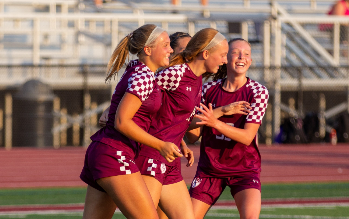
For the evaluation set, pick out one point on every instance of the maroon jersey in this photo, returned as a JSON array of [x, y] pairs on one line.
[[221, 156], [182, 92], [138, 80]]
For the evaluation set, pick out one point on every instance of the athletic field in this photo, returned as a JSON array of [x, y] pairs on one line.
[[307, 181]]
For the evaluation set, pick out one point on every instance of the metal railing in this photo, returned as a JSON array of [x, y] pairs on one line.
[[294, 52], [75, 110]]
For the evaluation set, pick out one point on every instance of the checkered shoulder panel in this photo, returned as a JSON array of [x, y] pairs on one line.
[[259, 103], [141, 82], [170, 77], [207, 86]]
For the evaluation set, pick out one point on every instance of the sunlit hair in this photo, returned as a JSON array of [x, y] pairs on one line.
[[132, 43], [195, 45], [175, 37], [222, 71]]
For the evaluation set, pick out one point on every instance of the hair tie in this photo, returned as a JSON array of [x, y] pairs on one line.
[[130, 35]]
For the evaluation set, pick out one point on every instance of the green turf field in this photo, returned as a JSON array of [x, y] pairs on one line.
[[335, 212], [271, 191], [77, 195]]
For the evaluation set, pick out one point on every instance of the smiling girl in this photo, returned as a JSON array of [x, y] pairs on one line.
[[182, 84], [229, 154], [109, 168]]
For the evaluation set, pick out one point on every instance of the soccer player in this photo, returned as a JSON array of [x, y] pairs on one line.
[[204, 53], [229, 154], [182, 83], [179, 42], [109, 169]]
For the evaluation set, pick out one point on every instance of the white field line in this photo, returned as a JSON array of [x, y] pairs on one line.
[[46, 212], [223, 215], [303, 205]]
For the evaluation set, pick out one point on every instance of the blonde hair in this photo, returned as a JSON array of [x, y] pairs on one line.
[[222, 71], [132, 43], [198, 42]]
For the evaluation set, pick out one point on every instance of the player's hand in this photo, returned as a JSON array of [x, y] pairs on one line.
[[170, 151], [187, 153], [207, 117], [104, 118], [240, 107]]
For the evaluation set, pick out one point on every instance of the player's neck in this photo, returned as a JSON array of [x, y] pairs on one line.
[[147, 61], [233, 82], [197, 67]]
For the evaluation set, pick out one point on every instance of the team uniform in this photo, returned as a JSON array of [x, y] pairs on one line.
[[111, 153], [223, 161], [182, 93]]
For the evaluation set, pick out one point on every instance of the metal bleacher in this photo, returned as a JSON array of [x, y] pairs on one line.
[[64, 31]]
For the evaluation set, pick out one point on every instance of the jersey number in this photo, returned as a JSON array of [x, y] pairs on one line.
[[222, 137]]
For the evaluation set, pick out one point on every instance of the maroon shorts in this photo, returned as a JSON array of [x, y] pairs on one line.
[[208, 189], [165, 174], [102, 160]]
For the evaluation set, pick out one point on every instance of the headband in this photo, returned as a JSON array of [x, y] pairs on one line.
[[215, 40], [154, 34]]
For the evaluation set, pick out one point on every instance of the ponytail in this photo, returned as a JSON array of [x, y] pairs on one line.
[[133, 43], [118, 57]]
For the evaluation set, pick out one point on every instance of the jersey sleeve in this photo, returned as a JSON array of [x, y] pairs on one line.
[[205, 89], [141, 84], [259, 105], [170, 77]]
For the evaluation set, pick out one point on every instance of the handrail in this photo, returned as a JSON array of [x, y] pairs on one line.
[[97, 16], [305, 35]]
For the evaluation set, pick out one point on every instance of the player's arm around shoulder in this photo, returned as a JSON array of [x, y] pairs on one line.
[[253, 119], [128, 107]]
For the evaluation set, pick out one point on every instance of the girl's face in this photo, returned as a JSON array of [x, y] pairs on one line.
[[181, 44], [239, 57], [217, 57], [161, 51]]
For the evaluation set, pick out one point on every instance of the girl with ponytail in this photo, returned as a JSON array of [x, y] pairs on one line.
[[109, 169], [182, 83]]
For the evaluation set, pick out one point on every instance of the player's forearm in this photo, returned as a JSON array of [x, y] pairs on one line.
[[193, 135], [131, 130], [240, 135], [216, 113]]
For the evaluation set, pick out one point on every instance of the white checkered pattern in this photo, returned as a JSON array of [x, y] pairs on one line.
[[259, 103], [151, 167], [207, 86], [122, 160], [170, 77], [141, 82]]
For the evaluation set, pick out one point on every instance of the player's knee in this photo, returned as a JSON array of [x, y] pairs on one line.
[[249, 215]]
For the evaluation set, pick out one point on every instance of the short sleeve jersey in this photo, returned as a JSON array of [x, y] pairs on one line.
[[182, 93], [221, 156], [138, 80]]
